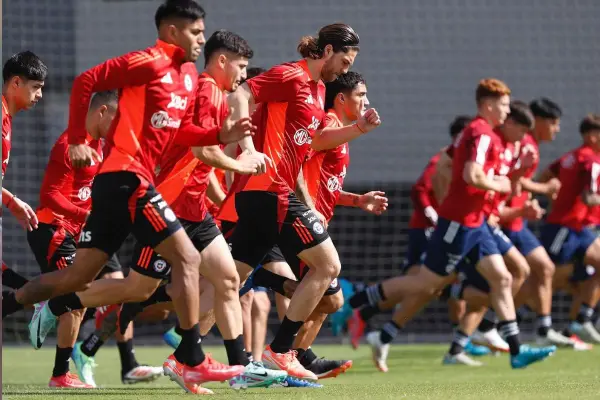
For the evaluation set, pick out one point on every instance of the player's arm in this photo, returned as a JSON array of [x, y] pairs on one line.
[[214, 191], [440, 181], [304, 196], [531, 210], [245, 164], [547, 183], [374, 202], [331, 137], [20, 210], [478, 149], [230, 150]]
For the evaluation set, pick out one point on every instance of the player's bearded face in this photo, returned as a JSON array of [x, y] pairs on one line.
[[337, 64], [29, 92], [190, 37]]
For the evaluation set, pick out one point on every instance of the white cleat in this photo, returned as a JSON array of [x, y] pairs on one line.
[[380, 351], [490, 339], [555, 338], [586, 332], [460, 359], [142, 373]]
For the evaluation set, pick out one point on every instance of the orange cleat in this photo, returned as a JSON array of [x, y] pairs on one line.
[[68, 380], [174, 370], [356, 328], [287, 362], [211, 370]]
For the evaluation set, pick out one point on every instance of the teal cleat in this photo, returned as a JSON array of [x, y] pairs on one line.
[[85, 365], [256, 375], [476, 350], [172, 338], [528, 355], [42, 323], [292, 382], [339, 319]]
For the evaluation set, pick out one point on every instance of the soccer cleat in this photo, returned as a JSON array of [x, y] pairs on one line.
[[210, 370], [287, 362], [356, 328], [142, 373], [585, 331], [68, 380], [85, 365], [297, 383], [172, 338], [380, 351], [490, 339], [580, 345], [476, 350], [554, 338], [256, 375], [460, 359], [324, 368], [42, 323], [174, 370], [529, 355]]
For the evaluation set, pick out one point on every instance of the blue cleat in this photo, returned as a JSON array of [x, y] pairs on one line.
[[476, 350], [298, 383], [339, 319], [528, 355], [172, 338]]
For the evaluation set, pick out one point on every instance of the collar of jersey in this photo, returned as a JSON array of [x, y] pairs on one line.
[[5, 106], [332, 114], [174, 52]]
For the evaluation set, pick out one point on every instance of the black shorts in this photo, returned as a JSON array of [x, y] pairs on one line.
[[147, 262], [273, 255], [123, 203], [259, 228], [54, 248]]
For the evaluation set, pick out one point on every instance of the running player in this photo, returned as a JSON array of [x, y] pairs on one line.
[[163, 79], [290, 112], [23, 77], [461, 232]]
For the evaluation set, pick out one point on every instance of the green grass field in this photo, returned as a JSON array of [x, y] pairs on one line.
[[415, 373]]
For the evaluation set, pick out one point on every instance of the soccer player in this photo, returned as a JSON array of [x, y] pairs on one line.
[[23, 77], [289, 115], [461, 232], [156, 106], [565, 236]]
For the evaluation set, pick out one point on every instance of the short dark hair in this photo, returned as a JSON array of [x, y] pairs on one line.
[[459, 124], [343, 84], [340, 36], [182, 9], [25, 65], [590, 123], [490, 88], [104, 98], [545, 108], [254, 72], [521, 114], [227, 41]]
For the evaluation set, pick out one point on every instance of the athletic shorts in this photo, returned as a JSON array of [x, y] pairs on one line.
[[502, 241], [147, 262], [417, 246], [258, 228], [54, 249], [457, 248], [524, 240], [566, 245], [273, 255], [582, 273], [124, 203]]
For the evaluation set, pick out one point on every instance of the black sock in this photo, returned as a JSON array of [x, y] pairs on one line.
[[371, 295], [250, 356], [90, 313], [190, 351], [459, 342], [13, 280], [127, 354], [178, 329], [510, 332], [270, 280], [306, 357], [389, 331], [63, 304], [544, 322], [585, 313], [9, 303], [282, 343], [368, 312], [487, 323], [91, 345], [61, 361], [160, 295], [236, 353], [567, 332]]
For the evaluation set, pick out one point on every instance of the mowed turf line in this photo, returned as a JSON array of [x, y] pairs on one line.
[[415, 373]]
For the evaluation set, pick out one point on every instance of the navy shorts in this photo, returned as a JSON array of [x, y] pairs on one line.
[[524, 240], [417, 246], [566, 245], [502, 241]]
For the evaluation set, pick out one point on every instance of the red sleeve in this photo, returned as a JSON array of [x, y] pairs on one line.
[[279, 84], [192, 133], [132, 69], [555, 167], [478, 146], [58, 172], [420, 190], [591, 173], [450, 151]]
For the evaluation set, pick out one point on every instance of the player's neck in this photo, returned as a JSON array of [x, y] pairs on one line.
[[10, 103], [487, 119], [314, 67], [213, 72], [534, 133], [342, 116]]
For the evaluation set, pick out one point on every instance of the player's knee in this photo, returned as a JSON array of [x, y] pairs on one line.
[[330, 304], [228, 285], [544, 271], [502, 281], [332, 269]]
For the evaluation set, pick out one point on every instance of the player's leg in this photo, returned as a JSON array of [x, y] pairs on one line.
[[14, 281], [246, 302], [261, 305]]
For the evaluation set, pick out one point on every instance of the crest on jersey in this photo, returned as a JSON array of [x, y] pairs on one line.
[[170, 215], [301, 137], [318, 228], [160, 265], [568, 161], [187, 81], [84, 193], [333, 184]]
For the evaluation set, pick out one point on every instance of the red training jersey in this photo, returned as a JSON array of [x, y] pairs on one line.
[[289, 112], [478, 143], [505, 166], [578, 171], [324, 172], [423, 196], [65, 195], [156, 107], [6, 135]]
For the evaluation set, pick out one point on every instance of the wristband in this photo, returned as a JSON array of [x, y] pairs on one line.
[[359, 128]]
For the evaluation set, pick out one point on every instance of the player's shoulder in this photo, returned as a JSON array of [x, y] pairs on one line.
[[289, 71], [478, 127], [206, 82]]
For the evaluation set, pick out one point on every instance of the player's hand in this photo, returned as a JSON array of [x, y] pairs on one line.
[[503, 184], [321, 218], [533, 211], [82, 155], [369, 120], [431, 215], [528, 159], [254, 163], [493, 221], [553, 188], [23, 213], [232, 132], [373, 202]]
